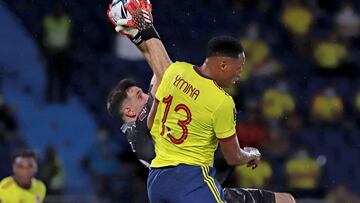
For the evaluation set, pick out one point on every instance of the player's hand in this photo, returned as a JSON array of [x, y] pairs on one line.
[[126, 26], [140, 10], [253, 164], [254, 156]]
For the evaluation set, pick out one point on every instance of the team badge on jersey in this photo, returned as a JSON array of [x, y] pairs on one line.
[[143, 114]]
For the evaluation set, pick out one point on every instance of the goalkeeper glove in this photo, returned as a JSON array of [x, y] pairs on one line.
[[114, 15], [138, 27]]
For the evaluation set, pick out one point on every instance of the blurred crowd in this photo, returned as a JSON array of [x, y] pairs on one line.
[[298, 99], [10, 138], [312, 89]]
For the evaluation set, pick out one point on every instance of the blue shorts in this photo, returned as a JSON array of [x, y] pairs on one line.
[[184, 184]]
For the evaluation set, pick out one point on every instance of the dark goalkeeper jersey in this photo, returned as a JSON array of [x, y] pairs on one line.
[[138, 135]]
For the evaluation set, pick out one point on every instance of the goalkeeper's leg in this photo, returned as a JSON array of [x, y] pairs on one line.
[[284, 198], [241, 195]]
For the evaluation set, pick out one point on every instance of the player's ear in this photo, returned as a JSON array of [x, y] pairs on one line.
[[223, 66]]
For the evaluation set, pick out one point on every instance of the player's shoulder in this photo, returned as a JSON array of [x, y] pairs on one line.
[[6, 183], [227, 101], [220, 102], [40, 185], [181, 64], [219, 94], [223, 92], [177, 67]]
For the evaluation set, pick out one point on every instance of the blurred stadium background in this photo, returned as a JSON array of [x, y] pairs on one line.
[[299, 96]]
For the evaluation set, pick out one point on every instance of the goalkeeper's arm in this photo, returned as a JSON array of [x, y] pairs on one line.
[[140, 30], [142, 33], [156, 56]]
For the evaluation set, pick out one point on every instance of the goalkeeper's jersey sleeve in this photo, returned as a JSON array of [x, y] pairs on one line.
[[138, 135], [193, 114]]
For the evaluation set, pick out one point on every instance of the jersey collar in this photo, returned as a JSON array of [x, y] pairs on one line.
[[126, 126], [198, 71]]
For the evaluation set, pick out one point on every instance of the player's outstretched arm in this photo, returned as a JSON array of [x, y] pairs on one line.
[[140, 30], [156, 56], [137, 25]]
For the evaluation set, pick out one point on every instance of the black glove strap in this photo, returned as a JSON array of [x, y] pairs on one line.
[[149, 33], [144, 35], [138, 39]]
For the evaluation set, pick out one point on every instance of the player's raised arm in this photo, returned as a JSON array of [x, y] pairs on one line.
[[134, 20], [157, 56]]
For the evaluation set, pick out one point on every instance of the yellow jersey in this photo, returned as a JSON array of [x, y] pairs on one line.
[[193, 114], [10, 192]]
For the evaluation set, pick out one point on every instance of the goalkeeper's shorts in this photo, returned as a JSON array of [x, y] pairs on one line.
[[184, 184], [241, 195]]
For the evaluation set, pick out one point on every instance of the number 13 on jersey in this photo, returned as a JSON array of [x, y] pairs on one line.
[[182, 123]]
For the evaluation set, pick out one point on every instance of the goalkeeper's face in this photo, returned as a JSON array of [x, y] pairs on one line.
[[134, 103], [230, 70]]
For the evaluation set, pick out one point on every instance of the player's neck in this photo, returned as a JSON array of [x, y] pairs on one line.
[[21, 184], [206, 70]]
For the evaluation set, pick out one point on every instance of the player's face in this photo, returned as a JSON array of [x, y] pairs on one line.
[[233, 70], [24, 169], [135, 101]]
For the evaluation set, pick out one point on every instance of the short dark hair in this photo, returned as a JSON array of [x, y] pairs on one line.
[[224, 46], [24, 153], [117, 97]]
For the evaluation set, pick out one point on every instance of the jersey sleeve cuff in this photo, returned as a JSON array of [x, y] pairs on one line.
[[226, 138]]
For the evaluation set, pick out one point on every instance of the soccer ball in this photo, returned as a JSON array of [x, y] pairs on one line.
[[118, 10]]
